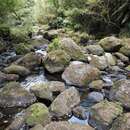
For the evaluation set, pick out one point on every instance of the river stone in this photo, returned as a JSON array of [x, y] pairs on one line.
[[95, 49], [122, 122], [72, 49], [13, 95], [95, 96], [66, 126], [110, 59], [110, 43], [30, 61], [56, 61], [125, 49], [17, 69], [103, 114], [37, 127], [80, 74], [36, 114], [7, 77], [121, 92], [65, 102], [96, 84], [99, 61], [122, 57], [48, 90]]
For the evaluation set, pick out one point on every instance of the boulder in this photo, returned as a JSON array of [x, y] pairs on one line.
[[13, 95], [80, 74], [17, 69], [99, 62], [72, 49], [30, 61], [7, 77], [48, 90], [96, 84], [125, 49], [22, 48], [65, 102], [37, 127], [122, 122], [56, 61], [36, 114], [111, 43], [66, 126], [95, 50], [121, 92], [103, 114], [122, 57]]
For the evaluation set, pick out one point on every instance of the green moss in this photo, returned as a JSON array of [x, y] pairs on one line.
[[37, 114], [22, 48], [55, 45]]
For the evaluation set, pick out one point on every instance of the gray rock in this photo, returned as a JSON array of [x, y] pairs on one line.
[[65, 102], [80, 74]]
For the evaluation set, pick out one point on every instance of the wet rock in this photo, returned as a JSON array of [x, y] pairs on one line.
[[66, 126], [64, 103], [80, 74], [110, 59], [95, 50], [103, 114], [56, 61], [97, 84], [17, 69], [48, 90], [36, 114], [17, 124], [125, 49], [80, 112], [99, 61], [121, 92], [51, 34], [7, 77], [122, 57], [38, 127], [110, 44], [72, 49], [95, 96], [13, 95], [122, 122], [30, 61], [22, 48]]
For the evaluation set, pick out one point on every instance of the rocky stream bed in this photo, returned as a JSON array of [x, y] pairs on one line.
[[70, 87]]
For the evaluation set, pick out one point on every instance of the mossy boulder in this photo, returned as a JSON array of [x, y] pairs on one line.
[[72, 49], [65, 102], [48, 90], [17, 69], [103, 114], [56, 61], [125, 50], [36, 114], [122, 122], [14, 95], [80, 74], [30, 61], [127, 68], [23, 48], [121, 92], [111, 44]]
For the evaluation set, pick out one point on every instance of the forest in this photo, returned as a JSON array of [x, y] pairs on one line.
[[64, 64]]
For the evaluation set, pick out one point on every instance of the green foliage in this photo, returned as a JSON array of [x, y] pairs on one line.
[[55, 45]]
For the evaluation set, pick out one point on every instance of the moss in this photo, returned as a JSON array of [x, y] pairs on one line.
[[22, 48], [16, 69], [127, 68], [37, 114], [54, 45]]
